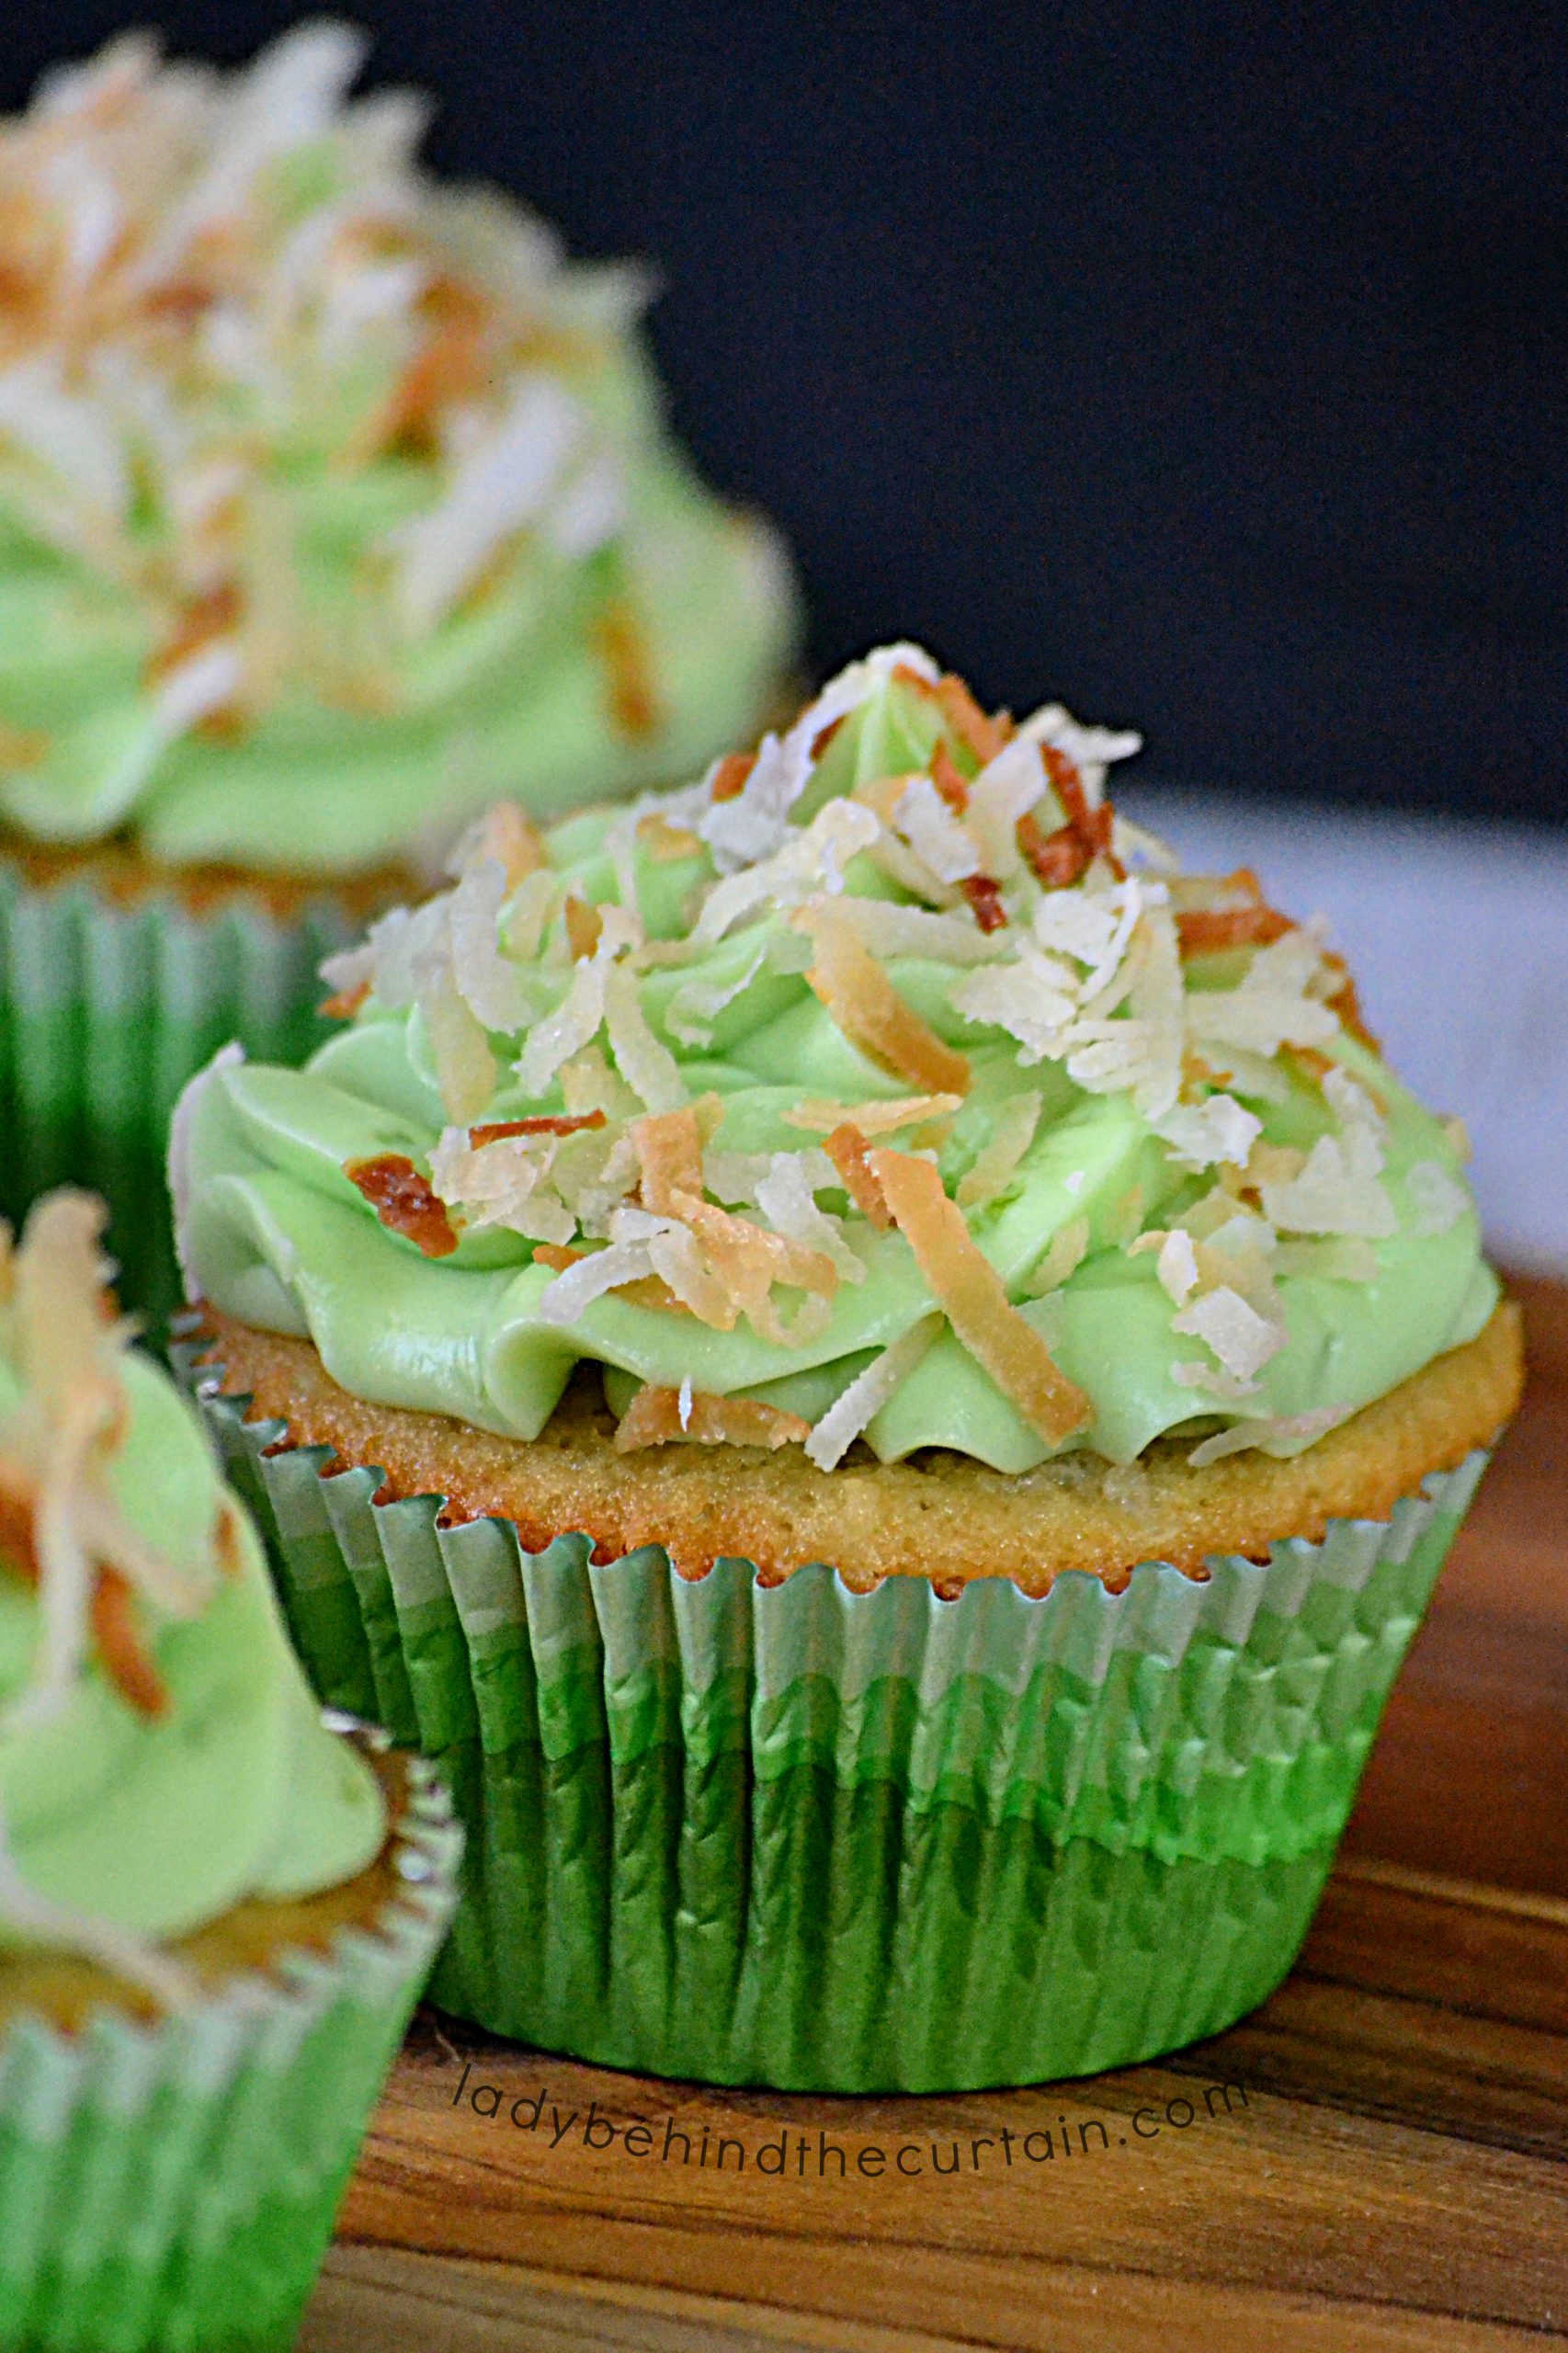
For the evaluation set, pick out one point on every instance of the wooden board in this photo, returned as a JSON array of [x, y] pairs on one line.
[[1373, 2159]]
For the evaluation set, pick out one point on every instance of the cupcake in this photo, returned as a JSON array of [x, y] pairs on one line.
[[215, 1913], [333, 503], [883, 1375]]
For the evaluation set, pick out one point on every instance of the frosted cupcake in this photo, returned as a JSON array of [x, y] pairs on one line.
[[333, 502], [905, 1369], [215, 1914]]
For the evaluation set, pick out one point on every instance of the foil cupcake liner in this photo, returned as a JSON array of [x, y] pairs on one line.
[[839, 1841], [106, 1010], [170, 2187]]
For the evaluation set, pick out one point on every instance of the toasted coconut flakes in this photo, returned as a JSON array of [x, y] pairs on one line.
[[501, 1183], [573, 1290], [1095, 928], [872, 1118], [583, 926], [1440, 1199], [465, 1067], [1003, 794], [343, 1003], [61, 1519], [669, 1151], [527, 916], [503, 834], [558, 1256], [810, 860], [785, 1198], [845, 1147], [655, 1417], [560, 1035], [1056, 859], [1243, 1340], [890, 931], [664, 843], [1176, 1265], [490, 985], [1202, 1134], [858, 1405], [546, 1123], [938, 839], [697, 1005], [1069, 1247], [620, 640], [1010, 1140], [1287, 1434], [588, 1083], [727, 777], [678, 1262], [970, 1292], [1343, 1002], [1034, 999], [867, 1008], [1090, 822], [1311, 1061], [1337, 1189], [980, 736], [1270, 1006], [949, 782], [1458, 1134], [984, 897], [1206, 931], [506, 480], [404, 1201], [748, 1260]]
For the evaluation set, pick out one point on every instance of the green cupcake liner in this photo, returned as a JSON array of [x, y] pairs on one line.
[[171, 2187], [106, 1011], [834, 1841]]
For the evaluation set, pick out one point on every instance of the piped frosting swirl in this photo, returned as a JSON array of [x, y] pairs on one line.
[[885, 1080]]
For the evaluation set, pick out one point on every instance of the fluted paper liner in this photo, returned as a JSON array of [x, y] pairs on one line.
[[836, 1841], [170, 2188], [106, 1010]]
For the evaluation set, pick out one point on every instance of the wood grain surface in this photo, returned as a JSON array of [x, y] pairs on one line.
[[1374, 2158]]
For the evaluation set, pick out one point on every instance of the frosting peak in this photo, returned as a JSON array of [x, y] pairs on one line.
[[885, 1081], [160, 1757], [306, 459]]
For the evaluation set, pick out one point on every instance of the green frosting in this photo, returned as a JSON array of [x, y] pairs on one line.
[[1357, 1295], [156, 1825], [240, 619]]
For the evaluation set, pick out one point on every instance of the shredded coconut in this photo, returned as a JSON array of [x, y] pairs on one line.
[[858, 1406], [1287, 1434]]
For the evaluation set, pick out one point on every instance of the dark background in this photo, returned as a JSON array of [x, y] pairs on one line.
[[1207, 366]]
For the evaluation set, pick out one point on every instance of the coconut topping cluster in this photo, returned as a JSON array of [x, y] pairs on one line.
[[1065, 936], [63, 1530], [209, 282]]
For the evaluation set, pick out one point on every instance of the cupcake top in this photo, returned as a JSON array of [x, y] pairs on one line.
[[885, 1087], [161, 1758], [333, 501]]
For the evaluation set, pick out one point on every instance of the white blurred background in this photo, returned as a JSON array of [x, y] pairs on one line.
[[1458, 938]]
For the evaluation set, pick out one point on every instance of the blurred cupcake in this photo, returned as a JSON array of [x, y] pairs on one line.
[[333, 502], [215, 1914], [905, 1371]]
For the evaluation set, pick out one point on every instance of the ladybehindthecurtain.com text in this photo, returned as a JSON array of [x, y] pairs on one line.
[[823, 2156]]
